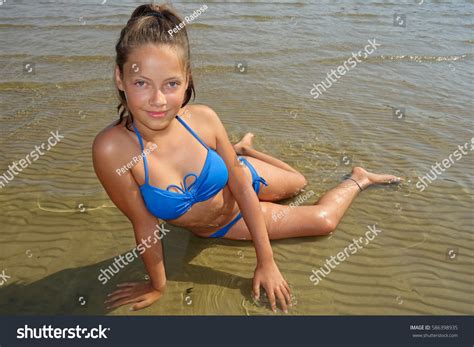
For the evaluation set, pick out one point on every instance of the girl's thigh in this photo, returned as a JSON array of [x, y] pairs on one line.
[[282, 184], [283, 222]]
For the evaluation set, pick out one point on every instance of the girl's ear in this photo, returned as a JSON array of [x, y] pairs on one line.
[[118, 78]]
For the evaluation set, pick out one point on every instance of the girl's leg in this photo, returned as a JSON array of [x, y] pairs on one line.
[[244, 147], [283, 180], [320, 219]]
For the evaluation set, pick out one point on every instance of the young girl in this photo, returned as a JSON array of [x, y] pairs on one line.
[[188, 173]]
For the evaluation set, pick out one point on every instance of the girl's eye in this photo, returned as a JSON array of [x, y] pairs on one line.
[[141, 83]]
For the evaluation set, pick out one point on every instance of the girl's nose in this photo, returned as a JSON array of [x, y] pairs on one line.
[[158, 98]]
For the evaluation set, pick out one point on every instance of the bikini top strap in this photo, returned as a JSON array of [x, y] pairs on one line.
[[191, 131], [145, 164]]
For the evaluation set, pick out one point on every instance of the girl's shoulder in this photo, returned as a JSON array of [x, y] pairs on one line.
[[202, 112], [203, 120], [113, 139]]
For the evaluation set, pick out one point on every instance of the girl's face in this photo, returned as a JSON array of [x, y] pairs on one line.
[[154, 81]]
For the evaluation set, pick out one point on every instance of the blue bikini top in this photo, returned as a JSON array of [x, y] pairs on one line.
[[165, 204]]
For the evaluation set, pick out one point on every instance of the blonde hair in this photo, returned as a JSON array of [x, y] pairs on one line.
[[150, 23]]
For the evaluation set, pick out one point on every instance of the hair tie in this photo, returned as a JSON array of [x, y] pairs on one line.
[[155, 14]]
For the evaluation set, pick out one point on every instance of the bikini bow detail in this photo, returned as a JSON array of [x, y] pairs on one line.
[[186, 188]]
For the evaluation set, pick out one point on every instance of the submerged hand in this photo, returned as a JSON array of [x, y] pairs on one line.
[[142, 293], [269, 277]]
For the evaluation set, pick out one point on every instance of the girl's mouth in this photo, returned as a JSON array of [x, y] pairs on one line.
[[157, 114]]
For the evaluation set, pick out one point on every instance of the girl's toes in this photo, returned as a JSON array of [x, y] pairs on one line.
[[395, 180], [383, 179]]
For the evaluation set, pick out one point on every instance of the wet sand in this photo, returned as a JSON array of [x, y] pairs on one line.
[[59, 228]]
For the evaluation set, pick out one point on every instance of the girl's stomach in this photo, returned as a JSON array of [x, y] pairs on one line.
[[206, 217]]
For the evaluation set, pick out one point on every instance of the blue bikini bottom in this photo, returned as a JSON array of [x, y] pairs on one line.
[[256, 180]]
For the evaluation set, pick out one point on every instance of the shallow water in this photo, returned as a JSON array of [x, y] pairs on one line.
[[59, 228]]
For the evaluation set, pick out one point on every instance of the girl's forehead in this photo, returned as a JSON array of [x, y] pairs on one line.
[[155, 61]]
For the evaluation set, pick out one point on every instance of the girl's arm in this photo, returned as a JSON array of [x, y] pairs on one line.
[[147, 237], [111, 153], [266, 273]]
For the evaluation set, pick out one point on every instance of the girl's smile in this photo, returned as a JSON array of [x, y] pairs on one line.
[[157, 114]]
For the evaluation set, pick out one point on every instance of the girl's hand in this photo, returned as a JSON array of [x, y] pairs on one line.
[[142, 293], [269, 277]]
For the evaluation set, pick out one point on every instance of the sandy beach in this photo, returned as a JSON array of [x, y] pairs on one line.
[[405, 107]]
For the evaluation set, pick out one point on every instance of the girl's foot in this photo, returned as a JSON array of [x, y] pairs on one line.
[[245, 143], [365, 178]]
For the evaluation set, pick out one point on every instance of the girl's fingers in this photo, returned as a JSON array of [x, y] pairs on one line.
[[124, 302], [127, 284], [271, 297], [256, 289], [113, 295], [117, 297], [286, 294], [125, 291], [140, 305], [118, 291], [282, 299], [287, 287]]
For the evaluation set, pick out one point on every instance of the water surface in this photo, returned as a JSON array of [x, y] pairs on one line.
[[59, 228]]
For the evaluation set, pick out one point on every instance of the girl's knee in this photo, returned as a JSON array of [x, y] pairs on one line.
[[302, 182], [299, 182], [323, 223]]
